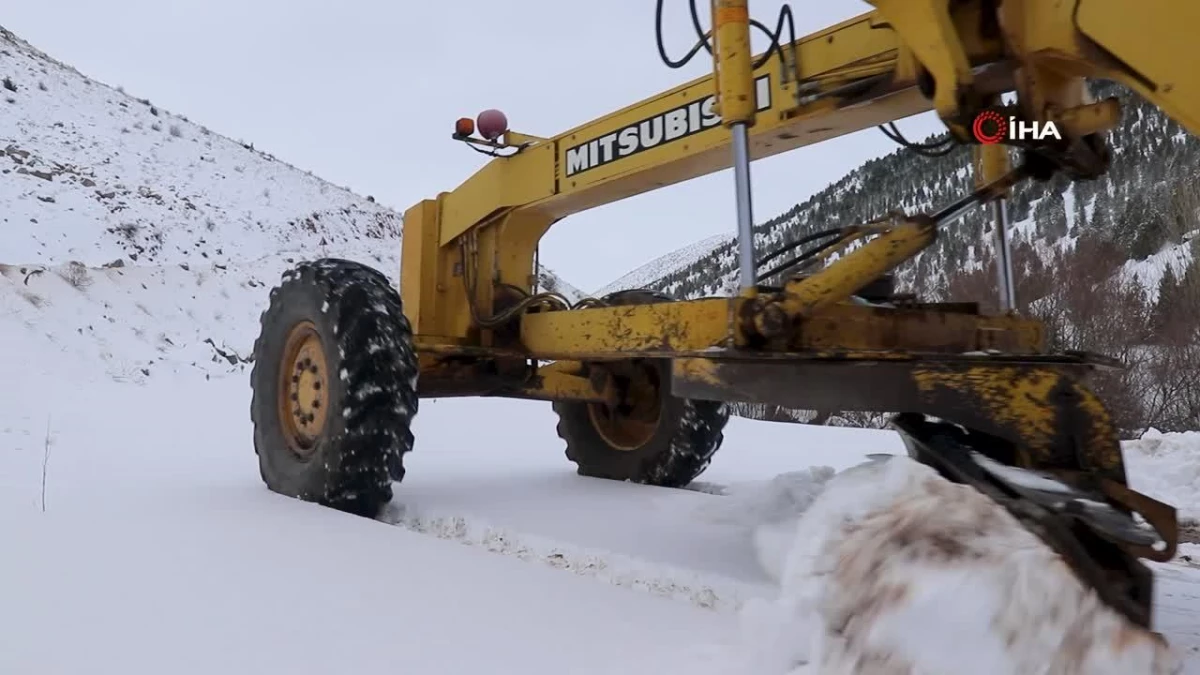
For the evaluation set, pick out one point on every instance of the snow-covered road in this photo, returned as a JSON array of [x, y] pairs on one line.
[[160, 550]]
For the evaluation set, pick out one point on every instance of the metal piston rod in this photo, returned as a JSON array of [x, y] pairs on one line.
[[747, 273], [991, 162], [733, 70], [1004, 269]]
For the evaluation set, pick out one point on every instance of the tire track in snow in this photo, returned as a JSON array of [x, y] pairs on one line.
[[707, 591], [707, 488]]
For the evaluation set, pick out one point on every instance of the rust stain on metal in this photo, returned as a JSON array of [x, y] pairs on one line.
[[1056, 420]]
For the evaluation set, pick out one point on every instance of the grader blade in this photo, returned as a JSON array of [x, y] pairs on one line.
[[1024, 431], [1085, 503], [1102, 550]]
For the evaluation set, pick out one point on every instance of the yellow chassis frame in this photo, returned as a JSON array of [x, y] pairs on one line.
[[860, 73]]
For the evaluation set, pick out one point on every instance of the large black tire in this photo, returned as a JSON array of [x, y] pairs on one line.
[[356, 360], [680, 447]]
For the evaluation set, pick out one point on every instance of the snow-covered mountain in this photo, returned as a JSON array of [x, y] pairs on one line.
[[653, 272], [135, 238], [1147, 204], [1112, 265]]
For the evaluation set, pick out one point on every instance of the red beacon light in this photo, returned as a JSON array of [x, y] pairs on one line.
[[492, 124]]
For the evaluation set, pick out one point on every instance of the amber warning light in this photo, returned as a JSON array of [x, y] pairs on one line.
[[464, 127]]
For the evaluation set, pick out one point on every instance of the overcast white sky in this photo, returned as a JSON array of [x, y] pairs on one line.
[[365, 95]]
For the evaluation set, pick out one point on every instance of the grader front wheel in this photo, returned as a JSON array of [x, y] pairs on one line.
[[334, 387], [303, 384]]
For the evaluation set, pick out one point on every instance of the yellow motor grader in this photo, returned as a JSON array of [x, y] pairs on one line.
[[641, 381]]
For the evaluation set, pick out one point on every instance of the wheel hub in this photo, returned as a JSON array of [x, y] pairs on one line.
[[633, 420], [303, 388]]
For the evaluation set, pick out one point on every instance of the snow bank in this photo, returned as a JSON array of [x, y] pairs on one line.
[[1166, 466], [889, 568]]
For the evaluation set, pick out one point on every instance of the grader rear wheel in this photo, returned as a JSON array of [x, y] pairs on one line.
[[334, 387], [631, 424], [649, 436]]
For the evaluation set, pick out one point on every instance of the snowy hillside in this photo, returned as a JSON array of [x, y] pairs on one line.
[[655, 270], [95, 175], [149, 234]]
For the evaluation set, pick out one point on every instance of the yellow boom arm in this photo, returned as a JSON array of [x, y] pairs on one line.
[[903, 58]]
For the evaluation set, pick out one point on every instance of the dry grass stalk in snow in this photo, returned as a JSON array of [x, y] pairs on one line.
[[45, 463]]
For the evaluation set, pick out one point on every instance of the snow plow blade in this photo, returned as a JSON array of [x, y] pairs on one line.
[[1023, 431], [1086, 520]]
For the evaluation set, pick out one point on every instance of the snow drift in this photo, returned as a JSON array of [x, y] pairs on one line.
[[1167, 467], [888, 568]]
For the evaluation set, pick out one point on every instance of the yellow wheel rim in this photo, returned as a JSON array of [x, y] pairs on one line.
[[303, 389], [634, 420]]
